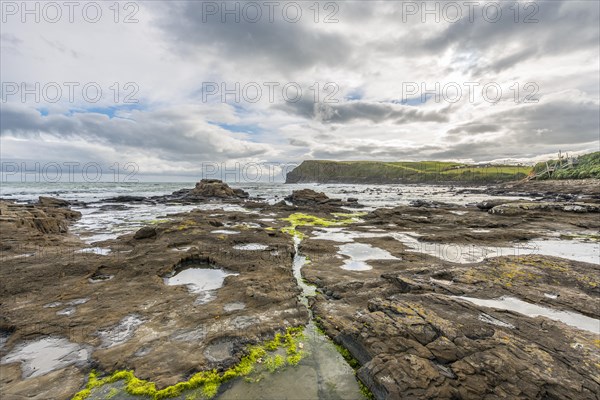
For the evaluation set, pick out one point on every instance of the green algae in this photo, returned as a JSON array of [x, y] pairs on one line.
[[300, 219], [208, 381], [273, 363]]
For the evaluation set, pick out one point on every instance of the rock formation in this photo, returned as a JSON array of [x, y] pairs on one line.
[[50, 216], [216, 188], [311, 198]]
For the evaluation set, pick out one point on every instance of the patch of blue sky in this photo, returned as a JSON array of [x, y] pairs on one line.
[[251, 129], [414, 101], [111, 112], [354, 94]]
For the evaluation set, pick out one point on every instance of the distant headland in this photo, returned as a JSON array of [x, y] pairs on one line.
[[380, 172]]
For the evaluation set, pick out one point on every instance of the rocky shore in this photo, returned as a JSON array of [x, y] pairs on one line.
[[428, 300]]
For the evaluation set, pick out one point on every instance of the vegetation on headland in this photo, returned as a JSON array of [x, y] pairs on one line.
[[209, 381], [323, 171], [583, 167]]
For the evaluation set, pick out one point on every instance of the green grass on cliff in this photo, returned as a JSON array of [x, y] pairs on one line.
[[588, 166], [403, 172]]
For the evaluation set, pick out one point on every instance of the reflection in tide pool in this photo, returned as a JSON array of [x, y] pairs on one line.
[[199, 280], [121, 332], [97, 224], [533, 310], [578, 250], [94, 250], [47, 354], [358, 253], [584, 251], [343, 235], [251, 246]]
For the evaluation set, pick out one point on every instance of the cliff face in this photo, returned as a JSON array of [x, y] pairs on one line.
[[317, 171]]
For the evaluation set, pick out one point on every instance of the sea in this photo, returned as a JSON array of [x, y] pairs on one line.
[[102, 223]]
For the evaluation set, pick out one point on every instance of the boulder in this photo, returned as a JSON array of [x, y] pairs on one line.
[[52, 202], [489, 204], [215, 188], [307, 197], [146, 232], [126, 199]]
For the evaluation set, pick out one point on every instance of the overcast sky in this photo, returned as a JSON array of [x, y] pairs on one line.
[[360, 68]]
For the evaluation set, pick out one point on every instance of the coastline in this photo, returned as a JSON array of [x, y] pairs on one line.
[[390, 314]]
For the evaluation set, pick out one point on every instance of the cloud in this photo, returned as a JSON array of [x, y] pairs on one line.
[[169, 134], [368, 54], [375, 112], [280, 44], [556, 123]]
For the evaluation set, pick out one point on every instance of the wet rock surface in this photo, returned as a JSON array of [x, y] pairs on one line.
[[48, 216], [415, 338], [406, 319], [309, 197], [133, 320], [208, 188], [205, 190], [559, 190]]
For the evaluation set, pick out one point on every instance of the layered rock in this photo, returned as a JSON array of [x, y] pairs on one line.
[[519, 208], [415, 337], [215, 188], [51, 216], [308, 197], [119, 306], [311, 198], [206, 189], [402, 320]]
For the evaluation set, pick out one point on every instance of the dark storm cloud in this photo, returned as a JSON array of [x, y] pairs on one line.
[[473, 128], [562, 27], [279, 44], [554, 123], [526, 132], [168, 134], [373, 152], [375, 112], [371, 49]]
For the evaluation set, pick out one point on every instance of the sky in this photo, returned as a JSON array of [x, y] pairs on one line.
[[176, 87]]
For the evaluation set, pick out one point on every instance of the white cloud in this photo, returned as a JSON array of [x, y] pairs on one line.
[[368, 54]]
